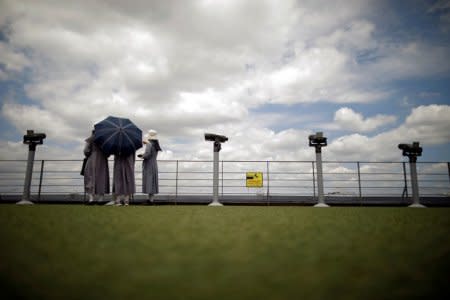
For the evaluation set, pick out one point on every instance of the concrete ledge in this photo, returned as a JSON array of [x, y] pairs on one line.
[[239, 200]]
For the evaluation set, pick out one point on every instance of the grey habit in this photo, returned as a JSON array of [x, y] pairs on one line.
[[150, 169], [96, 172], [123, 178]]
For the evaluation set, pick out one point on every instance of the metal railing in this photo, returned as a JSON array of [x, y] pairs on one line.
[[280, 178]]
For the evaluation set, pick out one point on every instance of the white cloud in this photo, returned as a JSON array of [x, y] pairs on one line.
[[355, 36], [18, 151], [350, 146], [410, 60], [187, 67], [157, 51], [430, 115], [347, 119], [12, 59], [429, 125], [31, 117], [251, 139]]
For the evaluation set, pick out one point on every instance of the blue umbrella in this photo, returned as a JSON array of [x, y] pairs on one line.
[[117, 136]]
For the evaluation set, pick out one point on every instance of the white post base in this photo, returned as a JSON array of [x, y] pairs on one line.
[[24, 202], [417, 205], [215, 203], [321, 205]]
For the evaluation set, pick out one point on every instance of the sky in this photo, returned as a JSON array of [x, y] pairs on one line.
[[265, 73]]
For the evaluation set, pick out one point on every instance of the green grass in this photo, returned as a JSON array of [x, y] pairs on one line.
[[200, 252]]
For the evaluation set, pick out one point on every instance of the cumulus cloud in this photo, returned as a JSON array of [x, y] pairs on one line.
[[347, 119], [31, 117], [187, 67], [250, 142], [12, 59], [357, 35], [429, 125], [410, 60]]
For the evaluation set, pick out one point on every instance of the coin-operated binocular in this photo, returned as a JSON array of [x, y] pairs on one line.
[[31, 139], [412, 151], [218, 140], [318, 141]]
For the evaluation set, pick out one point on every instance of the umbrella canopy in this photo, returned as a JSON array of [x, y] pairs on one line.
[[117, 136]]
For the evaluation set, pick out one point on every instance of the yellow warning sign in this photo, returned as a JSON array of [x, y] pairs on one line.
[[254, 179]]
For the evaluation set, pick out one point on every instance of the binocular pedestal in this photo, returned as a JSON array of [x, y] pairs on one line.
[[318, 141], [414, 184], [215, 201], [321, 200], [27, 184], [413, 151], [32, 139]]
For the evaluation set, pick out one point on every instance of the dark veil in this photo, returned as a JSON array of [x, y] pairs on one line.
[[156, 145]]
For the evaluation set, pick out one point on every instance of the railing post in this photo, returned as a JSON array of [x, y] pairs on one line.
[[414, 184], [40, 180], [321, 197], [314, 180], [448, 166], [215, 201], [405, 189], [268, 181], [359, 180], [176, 183], [84, 190], [222, 178], [28, 176]]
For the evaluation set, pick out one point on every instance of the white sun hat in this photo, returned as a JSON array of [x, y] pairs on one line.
[[152, 135]]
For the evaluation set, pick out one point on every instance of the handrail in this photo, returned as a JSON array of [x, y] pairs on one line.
[[290, 177]]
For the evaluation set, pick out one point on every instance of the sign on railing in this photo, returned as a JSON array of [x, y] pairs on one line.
[[254, 179]]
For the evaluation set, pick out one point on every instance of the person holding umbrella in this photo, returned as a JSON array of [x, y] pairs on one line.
[[119, 136], [150, 184], [96, 171], [123, 179]]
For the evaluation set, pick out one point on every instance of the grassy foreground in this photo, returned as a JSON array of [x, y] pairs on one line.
[[199, 252]]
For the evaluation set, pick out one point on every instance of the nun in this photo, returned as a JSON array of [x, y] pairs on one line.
[[150, 184], [123, 178], [96, 171]]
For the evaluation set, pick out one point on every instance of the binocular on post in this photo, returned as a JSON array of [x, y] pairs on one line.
[[217, 139], [411, 150], [318, 141], [32, 139]]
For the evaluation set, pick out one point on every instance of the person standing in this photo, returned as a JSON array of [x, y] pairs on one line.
[[150, 183], [123, 179], [96, 171]]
